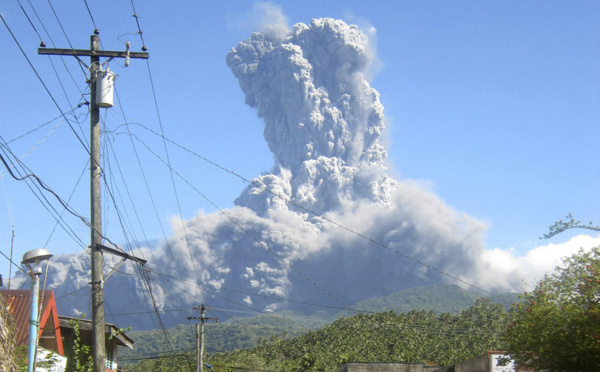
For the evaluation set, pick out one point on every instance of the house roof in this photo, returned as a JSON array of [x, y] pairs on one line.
[[85, 325], [18, 303]]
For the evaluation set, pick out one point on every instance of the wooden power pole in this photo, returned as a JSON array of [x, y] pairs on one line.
[[200, 335], [98, 329]]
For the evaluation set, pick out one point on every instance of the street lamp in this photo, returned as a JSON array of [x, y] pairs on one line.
[[33, 260]]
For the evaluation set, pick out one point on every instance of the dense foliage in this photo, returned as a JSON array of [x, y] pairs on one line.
[[441, 298], [225, 336], [245, 332], [558, 326], [242, 334], [81, 360], [417, 336], [569, 223], [185, 362], [7, 337]]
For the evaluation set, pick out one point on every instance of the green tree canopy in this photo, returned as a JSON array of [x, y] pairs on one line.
[[557, 327], [417, 336]]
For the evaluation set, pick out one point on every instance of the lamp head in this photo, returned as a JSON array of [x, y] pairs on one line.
[[34, 257]]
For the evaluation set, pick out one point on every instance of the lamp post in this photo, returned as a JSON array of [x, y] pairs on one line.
[[33, 260]]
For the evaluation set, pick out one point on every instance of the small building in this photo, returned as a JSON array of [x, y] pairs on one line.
[[492, 361], [56, 333], [391, 367], [113, 338], [18, 303]]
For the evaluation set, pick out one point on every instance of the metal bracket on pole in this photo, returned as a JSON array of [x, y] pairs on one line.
[[97, 295], [114, 269], [127, 56], [119, 253], [200, 335]]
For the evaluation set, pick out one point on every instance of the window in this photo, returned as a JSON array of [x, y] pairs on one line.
[[109, 362]]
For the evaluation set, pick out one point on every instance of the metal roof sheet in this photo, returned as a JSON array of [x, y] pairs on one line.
[[85, 325], [18, 303]]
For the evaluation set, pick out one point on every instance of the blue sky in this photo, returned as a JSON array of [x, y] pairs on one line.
[[492, 105]]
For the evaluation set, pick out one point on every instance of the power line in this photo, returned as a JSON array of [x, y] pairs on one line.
[[164, 276], [144, 275], [137, 21], [345, 308], [48, 189], [13, 263], [246, 231], [184, 229], [90, 13], [43, 45], [60, 24], [47, 123], [191, 282], [40, 195], [185, 353], [292, 202], [41, 23], [31, 23], [32, 175], [68, 200], [146, 183], [141, 272], [42, 82], [128, 193]]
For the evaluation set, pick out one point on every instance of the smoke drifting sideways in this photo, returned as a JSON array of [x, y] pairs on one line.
[[326, 225], [323, 122]]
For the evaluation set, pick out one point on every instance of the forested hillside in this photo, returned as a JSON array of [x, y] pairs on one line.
[[416, 336], [246, 332], [439, 298], [236, 334]]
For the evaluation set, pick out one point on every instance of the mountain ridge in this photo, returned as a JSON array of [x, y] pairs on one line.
[[244, 332]]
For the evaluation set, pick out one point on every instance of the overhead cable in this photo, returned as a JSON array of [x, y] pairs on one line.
[[362, 236]]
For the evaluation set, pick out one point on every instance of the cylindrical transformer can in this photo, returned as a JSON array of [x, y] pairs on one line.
[[105, 83]]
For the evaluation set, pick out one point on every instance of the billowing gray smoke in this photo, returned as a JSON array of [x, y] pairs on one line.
[[322, 119], [326, 225], [323, 122]]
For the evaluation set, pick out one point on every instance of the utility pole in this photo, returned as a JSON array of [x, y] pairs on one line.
[[200, 335], [97, 298]]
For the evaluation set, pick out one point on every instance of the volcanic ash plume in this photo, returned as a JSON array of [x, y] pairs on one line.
[[322, 119], [326, 225], [322, 123]]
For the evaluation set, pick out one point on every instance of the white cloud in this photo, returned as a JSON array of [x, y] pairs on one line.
[[505, 269], [249, 273], [267, 17]]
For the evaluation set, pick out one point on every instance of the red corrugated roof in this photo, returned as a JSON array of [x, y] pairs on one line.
[[18, 303]]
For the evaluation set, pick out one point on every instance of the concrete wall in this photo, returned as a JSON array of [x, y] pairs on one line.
[[477, 364], [384, 367]]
